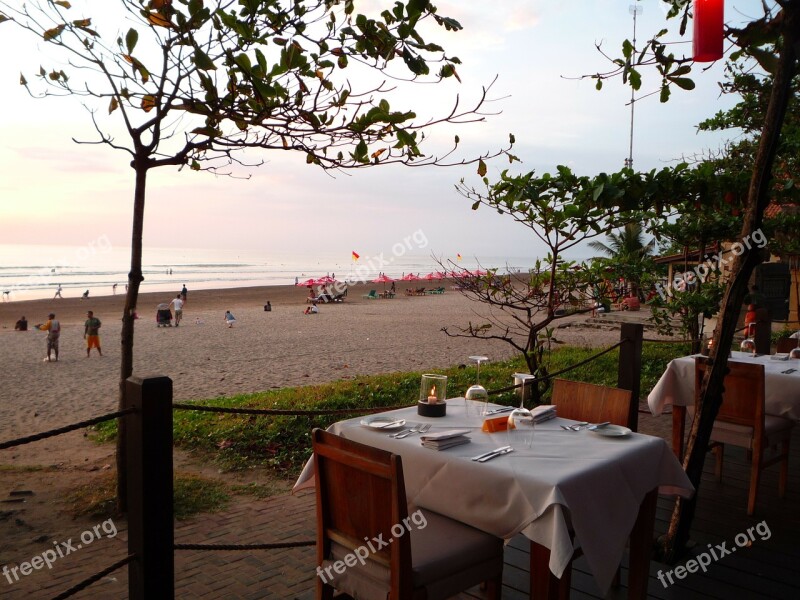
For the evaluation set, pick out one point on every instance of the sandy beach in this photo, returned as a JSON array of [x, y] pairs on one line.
[[207, 359]]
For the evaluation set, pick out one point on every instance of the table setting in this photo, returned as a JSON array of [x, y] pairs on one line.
[[533, 478]]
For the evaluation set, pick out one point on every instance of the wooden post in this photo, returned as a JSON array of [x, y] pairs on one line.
[[151, 536], [763, 331], [630, 367]]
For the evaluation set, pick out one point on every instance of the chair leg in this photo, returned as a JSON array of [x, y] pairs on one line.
[[755, 476], [719, 455], [324, 591], [494, 588], [784, 476]]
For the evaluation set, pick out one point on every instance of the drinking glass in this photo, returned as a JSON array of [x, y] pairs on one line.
[[476, 395], [520, 428]]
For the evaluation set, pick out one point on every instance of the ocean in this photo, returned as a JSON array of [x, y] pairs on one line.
[[35, 271]]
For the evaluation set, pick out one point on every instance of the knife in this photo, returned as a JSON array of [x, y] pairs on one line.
[[390, 424], [500, 410], [495, 454], [485, 454], [598, 426]]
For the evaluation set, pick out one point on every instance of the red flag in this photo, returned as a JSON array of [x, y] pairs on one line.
[[356, 256]]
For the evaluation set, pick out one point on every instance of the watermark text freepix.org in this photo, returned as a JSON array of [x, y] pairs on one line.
[[682, 281], [714, 553], [59, 550], [360, 554]]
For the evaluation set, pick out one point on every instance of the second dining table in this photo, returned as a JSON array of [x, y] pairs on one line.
[[569, 489]]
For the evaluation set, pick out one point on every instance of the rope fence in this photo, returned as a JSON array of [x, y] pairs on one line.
[[557, 373], [94, 578], [282, 412], [225, 547], [66, 429]]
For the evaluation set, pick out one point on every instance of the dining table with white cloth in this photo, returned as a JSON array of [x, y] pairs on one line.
[[569, 489], [676, 388]]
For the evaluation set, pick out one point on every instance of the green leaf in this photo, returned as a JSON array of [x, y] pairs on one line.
[[636, 79], [597, 191], [599, 85], [476, 204], [684, 83], [481, 168], [665, 92], [627, 49], [458, 139], [202, 60], [130, 40]]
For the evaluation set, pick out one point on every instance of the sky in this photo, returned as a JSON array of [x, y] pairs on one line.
[[54, 191]]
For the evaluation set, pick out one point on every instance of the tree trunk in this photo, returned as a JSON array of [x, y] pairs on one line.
[[757, 199], [131, 298]]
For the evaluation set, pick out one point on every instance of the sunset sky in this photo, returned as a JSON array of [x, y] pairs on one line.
[[55, 191]]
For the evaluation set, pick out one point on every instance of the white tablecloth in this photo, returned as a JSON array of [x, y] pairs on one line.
[[583, 481], [782, 390]]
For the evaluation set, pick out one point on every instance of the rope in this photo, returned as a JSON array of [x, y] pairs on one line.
[[245, 546], [269, 411], [94, 578], [557, 373], [67, 428]]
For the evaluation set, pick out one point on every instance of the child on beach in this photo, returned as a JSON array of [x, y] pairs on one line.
[[229, 318]]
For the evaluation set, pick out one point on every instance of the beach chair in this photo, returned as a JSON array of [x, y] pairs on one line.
[[373, 295]]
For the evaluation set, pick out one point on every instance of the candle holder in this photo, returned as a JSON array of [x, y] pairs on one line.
[[432, 396]]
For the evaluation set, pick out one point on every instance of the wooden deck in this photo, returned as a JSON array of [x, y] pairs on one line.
[[767, 568]]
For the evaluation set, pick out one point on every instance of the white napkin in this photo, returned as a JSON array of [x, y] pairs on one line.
[[445, 439], [545, 412]]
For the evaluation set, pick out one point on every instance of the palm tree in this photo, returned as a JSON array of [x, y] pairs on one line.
[[628, 253]]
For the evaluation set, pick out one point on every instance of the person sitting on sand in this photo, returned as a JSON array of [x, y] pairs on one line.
[[311, 296], [229, 318], [311, 310], [85, 295], [21, 325]]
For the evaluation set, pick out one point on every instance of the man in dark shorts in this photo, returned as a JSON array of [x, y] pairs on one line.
[[91, 333], [53, 329]]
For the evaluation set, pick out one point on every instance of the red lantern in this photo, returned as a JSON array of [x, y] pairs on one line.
[[708, 29]]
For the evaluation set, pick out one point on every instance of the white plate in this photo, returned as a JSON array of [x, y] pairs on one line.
[[612, 431], [381, 422]]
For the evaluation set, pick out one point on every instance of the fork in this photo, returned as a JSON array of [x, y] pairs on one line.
[[413, 430]]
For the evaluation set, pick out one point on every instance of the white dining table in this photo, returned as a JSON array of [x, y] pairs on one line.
[[569, 489], [676, 388], [781, 390]]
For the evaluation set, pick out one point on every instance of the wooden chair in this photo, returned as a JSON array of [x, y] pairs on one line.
[[589, 402], [786, 345], [361, 499], [581, 402], [742, 421]]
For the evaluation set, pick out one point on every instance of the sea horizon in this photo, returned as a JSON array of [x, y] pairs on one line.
[[29, 271]]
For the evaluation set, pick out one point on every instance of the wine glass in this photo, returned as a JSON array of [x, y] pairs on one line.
[[477, 393], [520, 428]]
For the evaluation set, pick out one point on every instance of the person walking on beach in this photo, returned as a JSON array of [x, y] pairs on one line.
[[177, 303], [91, 333], [53, 329], [184, 292], [114, 290], [58, 292]]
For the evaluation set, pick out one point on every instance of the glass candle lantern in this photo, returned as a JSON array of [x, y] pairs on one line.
[[433, 389]]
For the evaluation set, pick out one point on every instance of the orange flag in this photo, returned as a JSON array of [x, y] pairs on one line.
[[458, 257]]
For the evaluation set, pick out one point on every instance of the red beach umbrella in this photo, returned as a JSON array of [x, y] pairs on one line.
[[410, 277], [382, 278], [306, 283]]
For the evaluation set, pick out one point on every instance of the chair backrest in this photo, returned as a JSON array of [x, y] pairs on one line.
[[743, 396], [589, 402], [360, 496], [787, 344]]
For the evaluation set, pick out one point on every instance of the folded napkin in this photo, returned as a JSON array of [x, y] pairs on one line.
[[543, 413], [445, 439]]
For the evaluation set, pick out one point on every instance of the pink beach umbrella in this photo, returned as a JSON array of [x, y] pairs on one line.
[[382, 278], [410, 277], [434, 275], [306, 283]]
